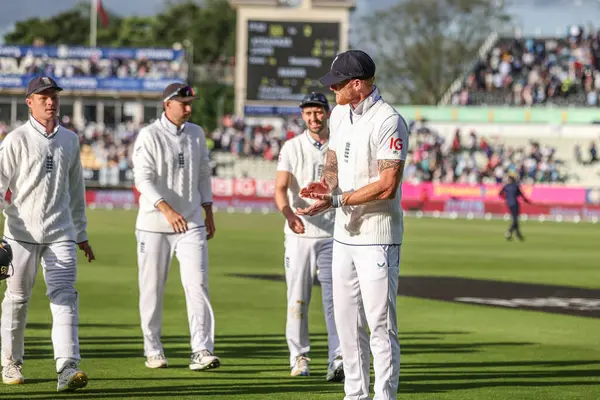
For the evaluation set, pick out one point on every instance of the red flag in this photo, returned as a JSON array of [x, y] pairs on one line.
[[103, 15]]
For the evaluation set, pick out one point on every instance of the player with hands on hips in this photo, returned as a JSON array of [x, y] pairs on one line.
[[171, 169], [45, 221], [362, 182], [308, 240]]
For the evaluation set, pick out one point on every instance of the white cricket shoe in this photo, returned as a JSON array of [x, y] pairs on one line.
[[203, 360], [157, 361], [335, 371], [300, 367], [12, 375], [71, 378]]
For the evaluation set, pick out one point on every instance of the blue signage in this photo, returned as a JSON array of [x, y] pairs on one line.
[[78, 52], [85, 83], [14, 80], [271, 110]]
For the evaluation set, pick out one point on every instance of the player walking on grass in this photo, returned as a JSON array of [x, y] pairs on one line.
[[308, 241], [361, 180], [45, 221], [511, 193], [172, 173]]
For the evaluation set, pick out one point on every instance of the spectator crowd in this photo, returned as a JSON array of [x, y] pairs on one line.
[[242, 138], [532, 71], [105, 153], [465, 158], [474, 159], [117, 66]]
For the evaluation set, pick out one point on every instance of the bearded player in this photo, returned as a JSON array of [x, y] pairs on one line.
[[308, 240], [362, 181]]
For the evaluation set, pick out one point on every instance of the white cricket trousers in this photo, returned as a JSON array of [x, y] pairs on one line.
[[155, 253], [304, 256], [365, 285], [59, 265]]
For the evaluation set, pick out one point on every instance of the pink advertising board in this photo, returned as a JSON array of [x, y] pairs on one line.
[[540, 194]]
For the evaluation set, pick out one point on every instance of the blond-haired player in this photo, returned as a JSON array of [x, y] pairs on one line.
[[308, 240], [361, 180], [40, 164]]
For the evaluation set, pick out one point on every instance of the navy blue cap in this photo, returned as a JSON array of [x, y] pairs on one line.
[[178, 92], [315, 99], [352, 64], [41, 83]]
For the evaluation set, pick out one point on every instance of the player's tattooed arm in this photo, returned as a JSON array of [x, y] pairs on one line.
[[329, 180], [386, 164], [330, 170], [390, 176], [391, 171]]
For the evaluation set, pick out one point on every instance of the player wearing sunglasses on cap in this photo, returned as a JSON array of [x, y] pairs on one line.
[[172, 173]]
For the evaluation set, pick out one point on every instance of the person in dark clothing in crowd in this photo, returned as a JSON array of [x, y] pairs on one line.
[[511, 193]]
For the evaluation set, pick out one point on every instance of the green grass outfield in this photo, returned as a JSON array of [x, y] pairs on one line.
[[449, 351]]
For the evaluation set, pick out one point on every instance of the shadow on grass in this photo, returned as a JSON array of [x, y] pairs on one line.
[[259, 363], [41, 326], [242, 347], [274, 390]]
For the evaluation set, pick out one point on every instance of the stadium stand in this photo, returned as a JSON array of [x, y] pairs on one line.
[[533, 71], [241, 149], [62, 62], [515, 72]]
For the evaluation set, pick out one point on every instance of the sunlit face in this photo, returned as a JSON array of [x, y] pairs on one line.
[[44, 105], [315, 118], [346, 91], [178, 111]]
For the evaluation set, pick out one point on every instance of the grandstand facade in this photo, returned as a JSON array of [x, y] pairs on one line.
[[107, 86], [529, 107]]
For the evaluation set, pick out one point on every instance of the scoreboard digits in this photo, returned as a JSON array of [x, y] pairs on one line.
[[286, 59]]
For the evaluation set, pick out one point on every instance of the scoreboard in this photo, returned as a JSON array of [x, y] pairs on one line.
[[286, 59]]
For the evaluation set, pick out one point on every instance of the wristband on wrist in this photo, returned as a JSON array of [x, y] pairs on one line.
[[337, 200]]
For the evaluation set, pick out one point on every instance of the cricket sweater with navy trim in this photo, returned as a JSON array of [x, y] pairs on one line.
[[44, 174], [362, 137], [173, 165]]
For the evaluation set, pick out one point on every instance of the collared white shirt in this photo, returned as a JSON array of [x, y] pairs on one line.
[[303, 157], [374, 131], [171, 164], [44, 174]]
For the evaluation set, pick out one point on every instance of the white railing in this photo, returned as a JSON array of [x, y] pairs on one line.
[[457, 84]]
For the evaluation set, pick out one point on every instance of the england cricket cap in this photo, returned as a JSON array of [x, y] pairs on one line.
[[178, 92], [41, 83], [315, 99], [352, 64]]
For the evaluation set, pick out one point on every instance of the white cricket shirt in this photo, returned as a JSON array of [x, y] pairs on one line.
[[45, 177], [171, 164], [303, 158], [373, 131]]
